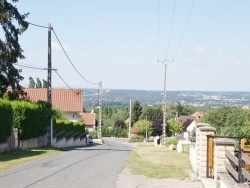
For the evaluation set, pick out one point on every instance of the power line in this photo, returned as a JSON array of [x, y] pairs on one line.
[[184, 29], [30, 67], [70, 60], [171, 27], [45, 27], [64, 81]]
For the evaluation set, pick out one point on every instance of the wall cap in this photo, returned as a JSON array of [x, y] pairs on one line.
[[207, 128], [224, 141]]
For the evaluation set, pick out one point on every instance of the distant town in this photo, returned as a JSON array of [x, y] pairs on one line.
[[152, 98]]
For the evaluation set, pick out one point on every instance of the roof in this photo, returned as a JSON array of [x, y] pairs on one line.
[[67, 100], [88, 118]]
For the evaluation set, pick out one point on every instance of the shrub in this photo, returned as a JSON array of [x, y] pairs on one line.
[[137, 139], [5, 120], [63, 127], [93, 134], [169, 142]]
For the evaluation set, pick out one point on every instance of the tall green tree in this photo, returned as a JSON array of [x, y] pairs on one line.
[[32, 83], [152, 113], [136, 111], [13, 25], [38, 83], [45, 84]]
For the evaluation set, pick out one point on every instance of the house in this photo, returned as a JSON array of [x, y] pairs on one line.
[[89, 120], [189, 123], [69, 101]]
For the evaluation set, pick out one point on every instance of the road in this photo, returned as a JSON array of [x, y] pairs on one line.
[[92, 167]]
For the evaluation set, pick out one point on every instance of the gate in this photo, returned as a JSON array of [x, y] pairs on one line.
[[210, 156], [243, 143]]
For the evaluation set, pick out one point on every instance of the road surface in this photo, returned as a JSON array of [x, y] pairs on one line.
[[93, 167]]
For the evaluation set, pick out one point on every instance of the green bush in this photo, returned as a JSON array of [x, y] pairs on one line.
[[64, 127], [5, 120], [93, 134], [137, 139], [114, 131], [31, 119], [169, 142]]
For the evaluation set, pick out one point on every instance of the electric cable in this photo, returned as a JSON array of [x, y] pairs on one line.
[[171, 28], [71, 61], [178, 48]]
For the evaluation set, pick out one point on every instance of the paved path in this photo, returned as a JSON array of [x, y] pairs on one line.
[[93, 167]]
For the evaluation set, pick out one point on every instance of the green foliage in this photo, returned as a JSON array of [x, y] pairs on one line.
[[169, 142], [57, 114], [13, 25], [228, 121], [38, 83], [142, 125], [152, 113], [136, 111], [137, 138], [93, 134], [31, 119], [5, 120], [66, 127], [32, 83], [174, 127], [114, 131], [185, 109]]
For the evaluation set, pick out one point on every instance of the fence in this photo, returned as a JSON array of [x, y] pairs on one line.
[[210, 156]]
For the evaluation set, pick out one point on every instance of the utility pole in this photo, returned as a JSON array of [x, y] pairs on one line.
[[49, 128], [130, 114], [164, 107], [100, 111], [146, 128]]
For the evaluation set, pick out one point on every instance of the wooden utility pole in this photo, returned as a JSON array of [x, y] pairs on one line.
[[49, 128], [146, 128], [130, 114], [164, 107], [100, 111]]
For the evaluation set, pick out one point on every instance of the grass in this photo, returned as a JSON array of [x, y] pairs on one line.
[[159, 162], [17, 157]]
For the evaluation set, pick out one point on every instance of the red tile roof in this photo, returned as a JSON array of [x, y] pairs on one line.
[[67, 100], [88, 118]]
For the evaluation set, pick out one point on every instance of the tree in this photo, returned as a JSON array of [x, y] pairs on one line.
[[32, 83], [175, 127], [38, 83], [136, 111], [157, 127], [13, 25], [152, 113], [45, 84], [142, 126], [120, 123], [228, 121]]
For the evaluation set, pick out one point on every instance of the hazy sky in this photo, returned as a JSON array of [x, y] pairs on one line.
[[119, 42]]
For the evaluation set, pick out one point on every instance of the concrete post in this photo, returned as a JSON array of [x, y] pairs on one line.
[[220, 145], [202, 130]]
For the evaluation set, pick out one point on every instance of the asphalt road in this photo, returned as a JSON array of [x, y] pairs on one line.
[[92, 167]]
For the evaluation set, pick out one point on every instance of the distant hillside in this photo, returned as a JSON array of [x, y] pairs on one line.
[[152, 98]]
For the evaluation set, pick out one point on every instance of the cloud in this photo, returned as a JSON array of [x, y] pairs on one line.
[[102, 23], [200, 50], [57, 46]]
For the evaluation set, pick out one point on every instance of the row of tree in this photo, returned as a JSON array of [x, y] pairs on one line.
[[38, 83]]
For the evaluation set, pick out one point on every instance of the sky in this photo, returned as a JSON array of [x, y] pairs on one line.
[[205, 44]]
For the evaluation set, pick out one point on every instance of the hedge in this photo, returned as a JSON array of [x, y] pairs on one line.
[[5, 120], [64, 127], [31, 119]]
